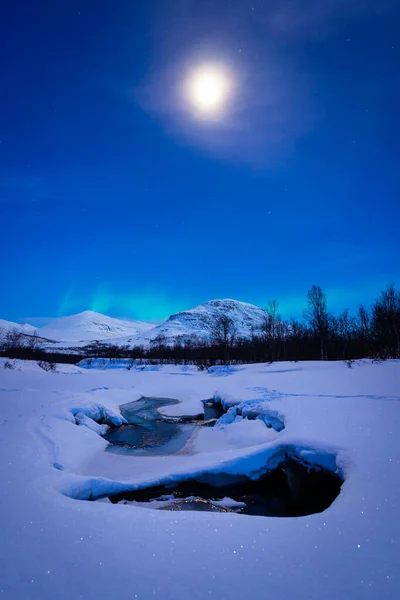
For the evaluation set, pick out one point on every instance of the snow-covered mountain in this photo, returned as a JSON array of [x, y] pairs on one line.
[[6, 326], [90, 326], [200, 321]]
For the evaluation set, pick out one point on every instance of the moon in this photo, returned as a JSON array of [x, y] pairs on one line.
[[208, 89]]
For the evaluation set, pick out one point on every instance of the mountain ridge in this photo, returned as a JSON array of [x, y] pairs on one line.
[[89, 326], [200, 321]]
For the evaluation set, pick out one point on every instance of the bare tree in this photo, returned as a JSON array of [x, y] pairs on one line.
[[317, 315], [386, 320], [159, 344], [363, 320], [224, 334], [347, 328], [14, 339], [273, 319], [32, 342]]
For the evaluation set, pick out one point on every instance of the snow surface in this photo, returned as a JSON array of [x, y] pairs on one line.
[[89, 326], [57, 546]]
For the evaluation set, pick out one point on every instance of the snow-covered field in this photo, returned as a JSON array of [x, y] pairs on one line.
[[56, 544]]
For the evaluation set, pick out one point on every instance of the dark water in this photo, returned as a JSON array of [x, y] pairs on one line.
[[212, 410], [291, 490], [197, 504], [149, 433]]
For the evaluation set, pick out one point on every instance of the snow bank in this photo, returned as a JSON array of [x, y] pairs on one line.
[[236, 467], [97, 417]]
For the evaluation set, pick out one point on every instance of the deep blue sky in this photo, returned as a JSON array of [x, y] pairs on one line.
[[114, 198]]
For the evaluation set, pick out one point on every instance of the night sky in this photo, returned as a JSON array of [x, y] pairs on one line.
[[116, 196]]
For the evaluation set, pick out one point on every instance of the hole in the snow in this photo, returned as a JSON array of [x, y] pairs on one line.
[[291, 490], [212, 410]]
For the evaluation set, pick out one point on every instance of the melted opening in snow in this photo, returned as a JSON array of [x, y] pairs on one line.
[[149, 433], [212, 410], [291, 490]]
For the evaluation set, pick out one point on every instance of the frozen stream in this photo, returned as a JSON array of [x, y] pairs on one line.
[[149, 433]]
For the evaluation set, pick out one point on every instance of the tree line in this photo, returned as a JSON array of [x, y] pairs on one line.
[[320, 335], [17, 345]]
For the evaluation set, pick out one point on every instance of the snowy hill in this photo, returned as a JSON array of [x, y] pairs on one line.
[[88, 325], [6, 326], [200, 321]]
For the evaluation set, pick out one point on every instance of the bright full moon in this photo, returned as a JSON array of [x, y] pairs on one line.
[[208, 89]]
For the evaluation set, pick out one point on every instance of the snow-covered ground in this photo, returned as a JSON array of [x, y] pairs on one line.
[[55, 545]]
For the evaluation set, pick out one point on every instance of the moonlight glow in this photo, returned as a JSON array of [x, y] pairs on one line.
[[208, 89]]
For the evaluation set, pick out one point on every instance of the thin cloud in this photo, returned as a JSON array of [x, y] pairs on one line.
[[36, 321], [273, 105], [316, 19], [269, 111]]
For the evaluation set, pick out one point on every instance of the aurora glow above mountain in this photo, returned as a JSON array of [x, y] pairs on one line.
[[154, 155]]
